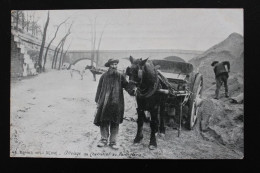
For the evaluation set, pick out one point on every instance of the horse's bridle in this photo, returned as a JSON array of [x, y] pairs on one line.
[[149, 92]]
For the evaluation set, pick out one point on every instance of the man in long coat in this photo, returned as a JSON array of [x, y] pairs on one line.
[[110, 104], [221, 75]]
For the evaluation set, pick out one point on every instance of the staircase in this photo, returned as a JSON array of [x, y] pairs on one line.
[[21, 62]]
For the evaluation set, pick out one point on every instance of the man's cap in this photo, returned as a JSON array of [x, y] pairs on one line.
[[112, 60], [213, 63]]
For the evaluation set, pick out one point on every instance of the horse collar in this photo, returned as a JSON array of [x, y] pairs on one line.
[[150, 92]]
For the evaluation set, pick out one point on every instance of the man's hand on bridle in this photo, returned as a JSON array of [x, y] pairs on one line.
[[135, 91]]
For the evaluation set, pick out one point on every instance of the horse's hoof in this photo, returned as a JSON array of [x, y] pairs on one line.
[[152, 147], [162, 135], [136, 144], [137, 141]]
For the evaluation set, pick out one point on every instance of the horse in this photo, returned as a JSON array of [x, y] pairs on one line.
[[143, 75], [73, 69], [94, 71]]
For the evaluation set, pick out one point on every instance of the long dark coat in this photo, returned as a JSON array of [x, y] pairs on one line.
[[110, 98]]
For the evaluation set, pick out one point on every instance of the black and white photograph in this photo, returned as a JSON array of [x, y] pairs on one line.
[[159, 83]]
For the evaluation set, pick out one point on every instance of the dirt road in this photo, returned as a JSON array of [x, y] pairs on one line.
[[52, 116]]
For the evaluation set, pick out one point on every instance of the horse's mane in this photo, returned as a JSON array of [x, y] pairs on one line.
[[150, 73], [150, 80], [89, 67]]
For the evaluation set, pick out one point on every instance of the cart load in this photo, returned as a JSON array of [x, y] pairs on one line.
[[182, 82]]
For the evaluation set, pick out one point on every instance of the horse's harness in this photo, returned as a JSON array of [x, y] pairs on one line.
[[150, 92]]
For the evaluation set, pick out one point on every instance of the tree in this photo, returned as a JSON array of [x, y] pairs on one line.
[[33, 25], [61, 48], [66, 52], [93, 40], [95, 52], [47, 49], [56, 52], [16, 15], [61, 54], [43, 42], [23, 21], [27, 22], [100, 38], [17, 19]]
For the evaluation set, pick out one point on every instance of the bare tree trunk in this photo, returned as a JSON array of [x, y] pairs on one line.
[[99, 46], [92, 44], [61, 54], [65, 53], [23, 21], [95, 52], [47, 49], [93, 40], [43, 43], [27, 22], [17, 19], [94, 48], [53, 59], [57, 55], [63, 40]]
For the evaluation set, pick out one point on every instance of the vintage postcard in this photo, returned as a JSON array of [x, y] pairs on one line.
[[127, 83]]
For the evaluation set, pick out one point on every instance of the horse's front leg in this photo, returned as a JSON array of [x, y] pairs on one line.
[[94, 76], [71, 75], [81, 75], [140, 122], [154, 128]]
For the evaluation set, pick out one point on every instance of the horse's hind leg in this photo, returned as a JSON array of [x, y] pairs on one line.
[[81, 74], [71, 75], [94, 76], [154, 128], [140, 122]]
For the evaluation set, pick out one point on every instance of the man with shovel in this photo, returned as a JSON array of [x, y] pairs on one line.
[[221, 76]]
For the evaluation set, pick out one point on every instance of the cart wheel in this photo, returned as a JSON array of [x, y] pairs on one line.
[[193, 102]]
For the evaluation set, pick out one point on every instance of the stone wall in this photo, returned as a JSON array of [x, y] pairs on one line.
[[24, 53], [16, 60]]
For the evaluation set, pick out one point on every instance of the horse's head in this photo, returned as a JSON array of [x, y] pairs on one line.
[[135, 71], [88, 67], [143, 76], [66, 66]]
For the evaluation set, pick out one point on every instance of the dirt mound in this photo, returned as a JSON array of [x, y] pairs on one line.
[[174, 58], [223, 123], [234, 44], [231, 49], [238, 64]]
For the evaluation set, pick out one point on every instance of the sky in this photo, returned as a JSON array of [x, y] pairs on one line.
[[137, 29]]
